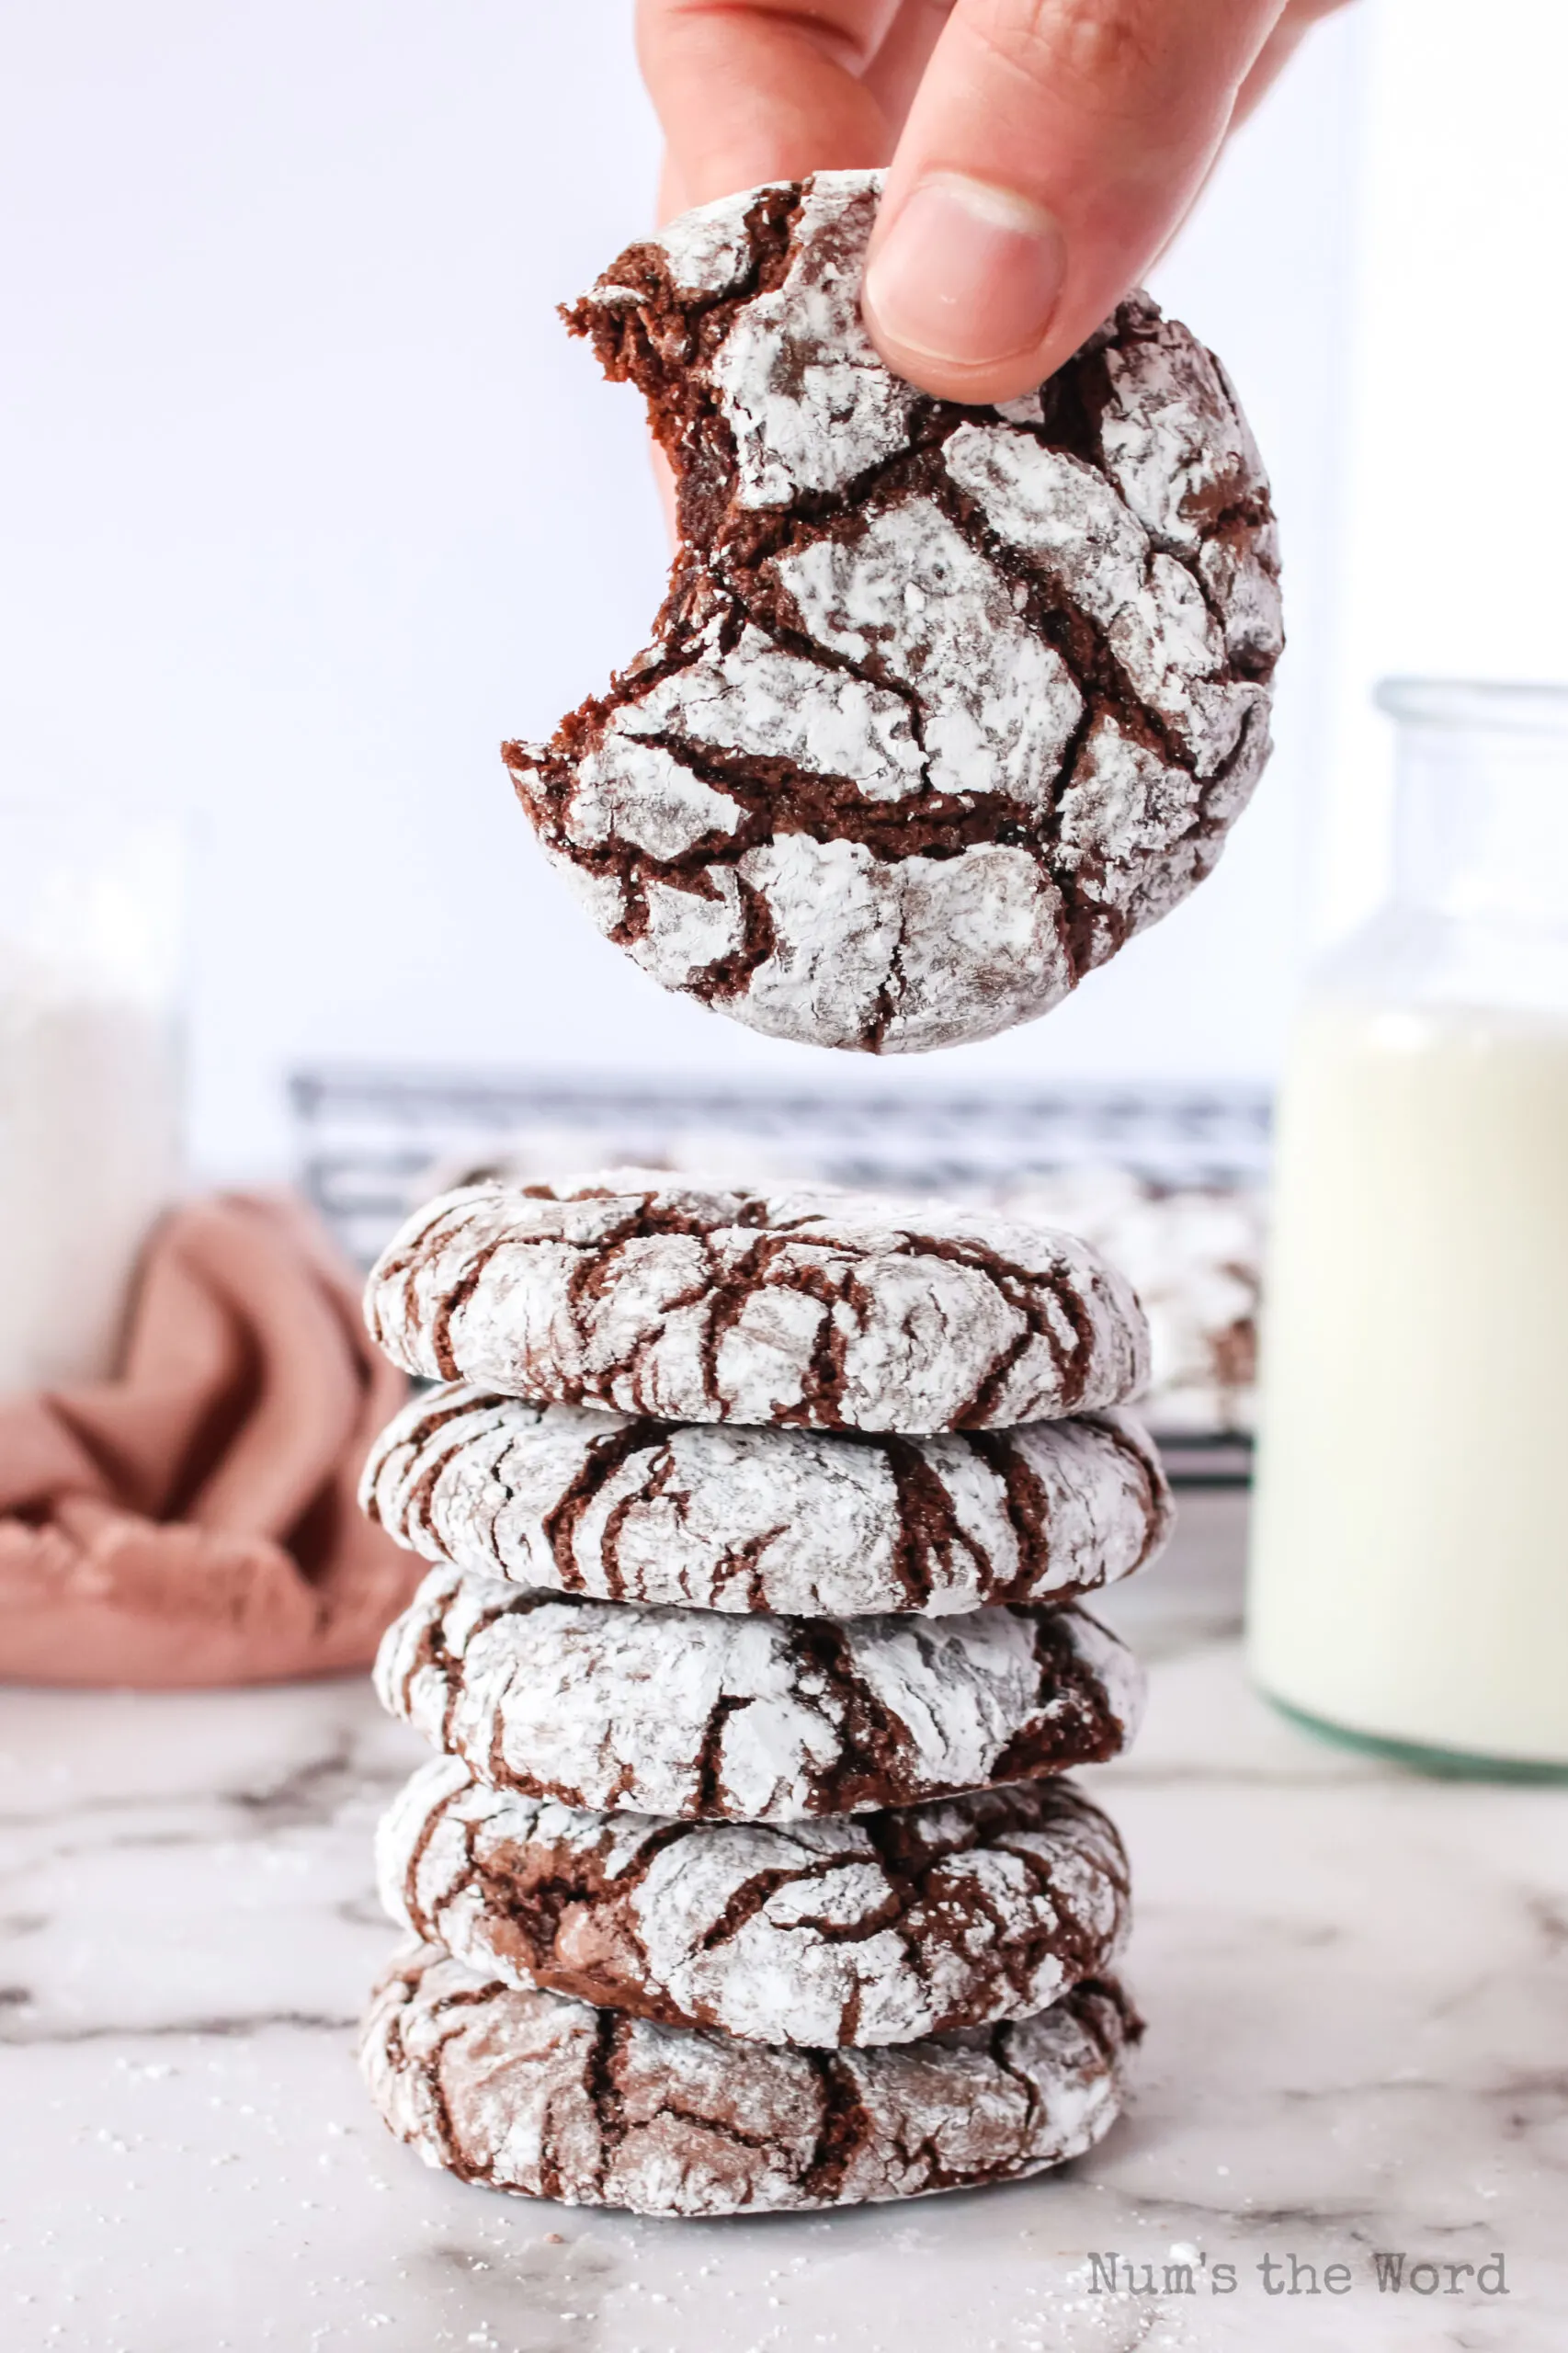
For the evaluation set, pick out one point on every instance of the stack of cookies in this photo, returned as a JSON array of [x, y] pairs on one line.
[[746, 1877]]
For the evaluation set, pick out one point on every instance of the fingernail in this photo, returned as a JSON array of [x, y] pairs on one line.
[[965, 273]]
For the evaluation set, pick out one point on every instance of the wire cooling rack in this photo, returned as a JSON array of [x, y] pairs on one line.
[[371, 1141]]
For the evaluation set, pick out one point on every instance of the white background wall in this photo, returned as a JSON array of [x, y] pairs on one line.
[[310, 501], [1456, 507]]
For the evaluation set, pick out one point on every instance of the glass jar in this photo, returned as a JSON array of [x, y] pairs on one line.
[[1409, 1575], [91, 901]]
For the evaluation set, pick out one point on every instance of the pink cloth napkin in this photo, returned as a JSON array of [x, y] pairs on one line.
[[192, 1521]]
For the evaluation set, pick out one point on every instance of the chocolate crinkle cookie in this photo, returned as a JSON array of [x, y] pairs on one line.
[[703, 1302], [1194, 1253], [813, 1523], [707, 1717], [944, 702], [530, 2092], [875, 1929]]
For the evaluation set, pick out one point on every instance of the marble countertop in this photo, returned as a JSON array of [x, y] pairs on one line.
[[1356, 1984]]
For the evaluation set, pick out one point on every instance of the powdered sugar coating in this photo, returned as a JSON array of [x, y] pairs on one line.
[[946, 703], [800, 384], [752, 696], [879, 1929], [999, 704], [708, 249], [709, 1717], [1173, 438], [1069, 522], [554, 2098], [1123, 797], [711, 1303], [623, 1508]]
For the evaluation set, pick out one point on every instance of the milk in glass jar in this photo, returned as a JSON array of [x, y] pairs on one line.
[[1409, 1580], [90, 1093]]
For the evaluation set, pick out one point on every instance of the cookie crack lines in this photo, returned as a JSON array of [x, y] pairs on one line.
[[846, 2129], [448, 2020], [928, 1531], [710, 1795], [1147, 1471], [944, 703], [769, 1720], [807, 1523], [603, 1458], [796, 1310], [541, 2096], [745, 1834], [794, 1936]]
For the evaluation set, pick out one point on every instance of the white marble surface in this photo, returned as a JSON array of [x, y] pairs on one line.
[[1356, 1984]]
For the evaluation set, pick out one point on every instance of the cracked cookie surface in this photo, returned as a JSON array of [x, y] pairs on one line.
[[623, 1508], [708, 1717], [555, 2098], [944, 702], [868, 1930], [697, 1302]]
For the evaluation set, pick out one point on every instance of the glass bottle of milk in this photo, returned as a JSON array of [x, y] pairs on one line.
[[1409, 1580], [91, 905]]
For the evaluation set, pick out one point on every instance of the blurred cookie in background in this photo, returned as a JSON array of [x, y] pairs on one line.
[[1194, 1256]]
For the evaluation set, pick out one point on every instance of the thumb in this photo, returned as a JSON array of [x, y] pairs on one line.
[[1052, 148]]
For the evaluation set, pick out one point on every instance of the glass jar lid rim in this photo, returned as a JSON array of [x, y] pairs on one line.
[[1521, 706]]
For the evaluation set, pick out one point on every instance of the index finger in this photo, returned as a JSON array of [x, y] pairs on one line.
[[1050, 150], [755, 92]]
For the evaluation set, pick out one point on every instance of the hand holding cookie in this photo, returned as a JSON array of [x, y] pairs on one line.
[[1042, 152], [945, 701]]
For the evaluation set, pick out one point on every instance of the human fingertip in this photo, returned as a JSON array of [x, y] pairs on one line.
[[962, 283]]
